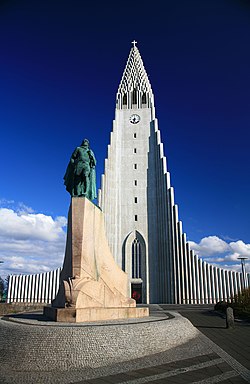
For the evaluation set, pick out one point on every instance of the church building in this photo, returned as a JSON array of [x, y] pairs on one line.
[[141, 217]]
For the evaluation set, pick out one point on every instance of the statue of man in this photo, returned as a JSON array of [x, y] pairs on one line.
[[79, 178]]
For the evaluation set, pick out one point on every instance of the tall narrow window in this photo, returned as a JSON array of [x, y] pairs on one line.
[[136, 200], [134, 97], [144, 98], [134, 135], [134, 150], [124, 100], [136, 218], [136, 259], [135, 182], [135, 166]]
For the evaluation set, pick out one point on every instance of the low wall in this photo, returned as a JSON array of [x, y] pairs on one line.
[[8, 308], [49, 346]]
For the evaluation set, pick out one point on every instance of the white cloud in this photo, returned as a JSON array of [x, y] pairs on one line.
[[240, 248], [234, 267], [29, 225], [30, 242], [209, 246], [22, 209], [19, 207], [217, 251], [214, 259], [6, 203]]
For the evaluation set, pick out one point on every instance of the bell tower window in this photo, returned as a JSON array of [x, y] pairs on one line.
[[134, 97], [124, 100]]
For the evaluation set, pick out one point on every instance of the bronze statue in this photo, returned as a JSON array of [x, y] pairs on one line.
[[80, 179]]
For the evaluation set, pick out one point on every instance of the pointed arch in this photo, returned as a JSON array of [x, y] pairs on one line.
[[134, 260], [133, 240]]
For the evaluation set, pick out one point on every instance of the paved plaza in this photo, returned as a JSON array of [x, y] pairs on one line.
[[214, 355]]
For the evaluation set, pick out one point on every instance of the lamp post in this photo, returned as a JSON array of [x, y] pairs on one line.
[[243, 268]]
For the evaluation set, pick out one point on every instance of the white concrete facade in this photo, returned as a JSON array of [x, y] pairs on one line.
[[39, 288], [141, 217]]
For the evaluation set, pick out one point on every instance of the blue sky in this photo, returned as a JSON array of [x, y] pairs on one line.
[[60, 66]]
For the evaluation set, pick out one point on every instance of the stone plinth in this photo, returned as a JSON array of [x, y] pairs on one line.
[[69, 315], [92, 286]]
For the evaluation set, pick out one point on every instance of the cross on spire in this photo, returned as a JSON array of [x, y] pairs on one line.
[[134, 42]]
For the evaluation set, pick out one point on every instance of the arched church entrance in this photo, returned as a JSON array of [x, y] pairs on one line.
[[134, 264]]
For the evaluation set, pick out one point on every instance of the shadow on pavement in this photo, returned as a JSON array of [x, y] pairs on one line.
[[26, 316]]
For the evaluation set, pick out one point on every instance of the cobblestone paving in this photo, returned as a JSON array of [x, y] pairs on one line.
[[199, 360]]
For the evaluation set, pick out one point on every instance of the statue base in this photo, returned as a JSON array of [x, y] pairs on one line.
[[72, 315], [92, 286]]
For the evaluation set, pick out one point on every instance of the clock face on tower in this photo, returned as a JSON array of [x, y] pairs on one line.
[[134, 119]]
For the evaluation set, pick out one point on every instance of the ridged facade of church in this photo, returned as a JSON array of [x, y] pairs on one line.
[[141, 217]]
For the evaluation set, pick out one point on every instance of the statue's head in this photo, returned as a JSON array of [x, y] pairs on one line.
[[85, 143]]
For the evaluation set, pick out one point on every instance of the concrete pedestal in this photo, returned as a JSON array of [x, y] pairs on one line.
[[69, 315], [92, 286]]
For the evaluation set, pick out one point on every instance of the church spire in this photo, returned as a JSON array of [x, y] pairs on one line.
[[134, 90]]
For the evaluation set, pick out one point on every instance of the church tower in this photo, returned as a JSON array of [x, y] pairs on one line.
[[141, 218], [135, 183]]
